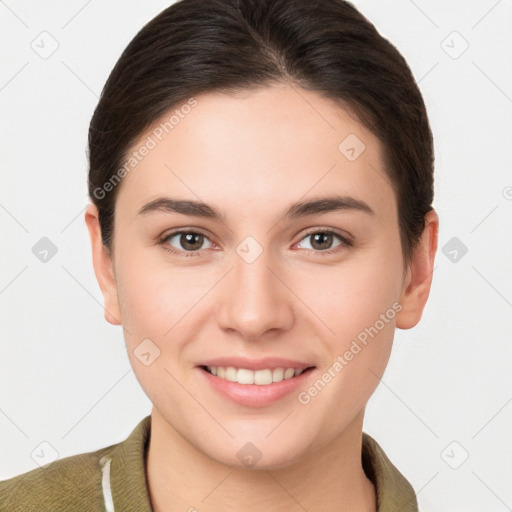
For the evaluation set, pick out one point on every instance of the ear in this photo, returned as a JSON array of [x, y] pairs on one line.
[[418, 279], [103, 267]]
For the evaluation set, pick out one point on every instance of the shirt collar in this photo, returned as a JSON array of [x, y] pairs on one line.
[[128, 482], [394, 492], [125, 486]]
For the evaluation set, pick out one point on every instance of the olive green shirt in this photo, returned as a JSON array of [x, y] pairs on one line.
[[113, 479]]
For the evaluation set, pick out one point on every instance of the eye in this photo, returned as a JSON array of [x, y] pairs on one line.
[[322, 241], [185, 243], [190, 243]]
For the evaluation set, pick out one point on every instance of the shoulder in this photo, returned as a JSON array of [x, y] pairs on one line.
[[70, 483], [85, 482]]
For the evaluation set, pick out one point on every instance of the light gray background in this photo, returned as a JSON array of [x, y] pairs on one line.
[[64, 373]]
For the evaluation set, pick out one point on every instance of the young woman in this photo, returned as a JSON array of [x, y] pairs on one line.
[[261, 220]]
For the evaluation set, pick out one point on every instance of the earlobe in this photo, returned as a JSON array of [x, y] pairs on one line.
[[418, 279], [103, 267]]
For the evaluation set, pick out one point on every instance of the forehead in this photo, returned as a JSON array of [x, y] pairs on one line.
[[261, 148]]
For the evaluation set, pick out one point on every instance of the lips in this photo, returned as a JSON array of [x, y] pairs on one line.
[[255, 382]]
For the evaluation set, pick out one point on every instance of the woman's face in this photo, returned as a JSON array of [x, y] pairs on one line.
[[266, 285]]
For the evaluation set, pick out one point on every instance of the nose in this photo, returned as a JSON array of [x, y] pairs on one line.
[[255, 299]]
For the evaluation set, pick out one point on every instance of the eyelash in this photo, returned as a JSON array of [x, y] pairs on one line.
[[163, 241]]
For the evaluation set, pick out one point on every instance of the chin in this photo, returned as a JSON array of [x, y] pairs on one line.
[[250, 456], [264, 464]]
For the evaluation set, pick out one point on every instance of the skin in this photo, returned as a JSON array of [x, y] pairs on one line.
[[251, 156]]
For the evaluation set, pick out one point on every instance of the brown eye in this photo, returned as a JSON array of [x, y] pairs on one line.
[[322, 241], [185, 241], [191, 241]]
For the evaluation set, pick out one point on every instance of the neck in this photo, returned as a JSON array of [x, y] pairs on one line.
[[181, 478]]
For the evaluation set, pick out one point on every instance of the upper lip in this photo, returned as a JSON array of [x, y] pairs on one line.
[[255, 364]]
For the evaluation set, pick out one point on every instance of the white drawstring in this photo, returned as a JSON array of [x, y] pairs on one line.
[[105, 484]]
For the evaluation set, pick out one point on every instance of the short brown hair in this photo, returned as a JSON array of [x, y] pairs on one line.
[[326, 46]]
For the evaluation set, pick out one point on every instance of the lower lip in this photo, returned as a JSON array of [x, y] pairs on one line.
[[254, 395]]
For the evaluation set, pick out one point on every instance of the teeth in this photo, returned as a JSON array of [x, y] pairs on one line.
[[245, 376], [263, 377], [231, 374], [289, 373], [259, 377], [277, 374]]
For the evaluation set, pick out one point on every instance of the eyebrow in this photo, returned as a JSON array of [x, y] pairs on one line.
[[297, 210]]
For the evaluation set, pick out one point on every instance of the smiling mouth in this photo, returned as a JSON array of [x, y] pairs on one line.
[[262, 377]]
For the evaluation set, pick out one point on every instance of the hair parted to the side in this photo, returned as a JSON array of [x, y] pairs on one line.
[[326, 46]]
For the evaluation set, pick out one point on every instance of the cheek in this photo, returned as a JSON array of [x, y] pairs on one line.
[[165, 304], [152, 296], [348, 298], [153, 300], [359, 305]]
